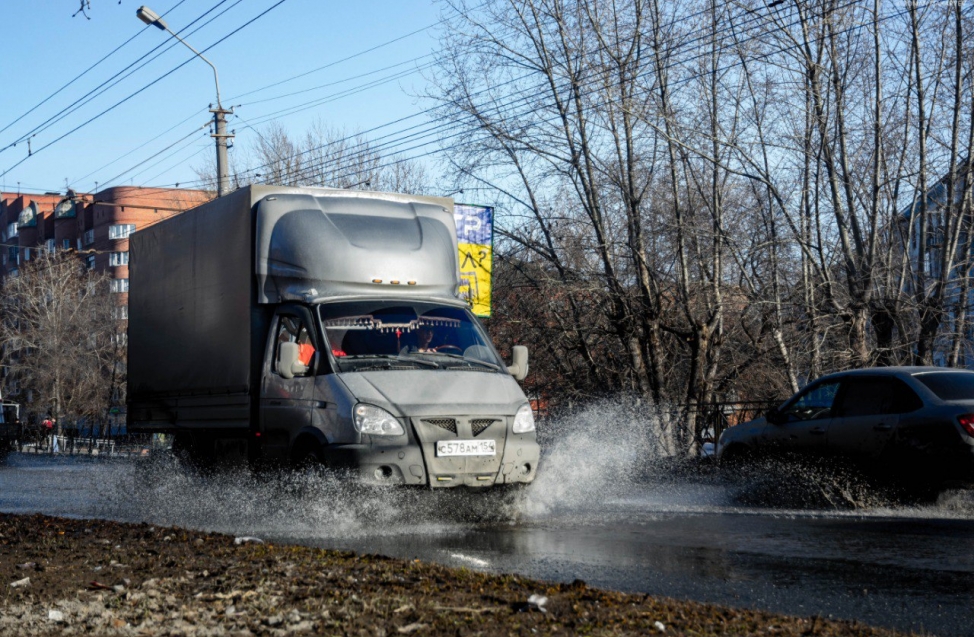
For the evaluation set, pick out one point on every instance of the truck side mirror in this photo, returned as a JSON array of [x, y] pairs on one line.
[[519, 365], [287, 360]]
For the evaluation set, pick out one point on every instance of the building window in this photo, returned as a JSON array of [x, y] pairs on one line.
[[66, 244], [90, 261], [121, 231], [14, 253], [120, 285], [26, 254], [118, 258], [89, 237], [50, 246], [11, 230], [121, 312]]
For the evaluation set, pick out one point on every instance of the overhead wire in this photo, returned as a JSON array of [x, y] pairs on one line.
[[115, 79], [318, 101], [497, 111], [82, 74], [426, 134], [137, 148], [151, 157], [422, 134], [430, 128], [331, 64], [152, 83]]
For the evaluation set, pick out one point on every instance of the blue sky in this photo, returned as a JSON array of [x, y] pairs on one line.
[[152, 133]]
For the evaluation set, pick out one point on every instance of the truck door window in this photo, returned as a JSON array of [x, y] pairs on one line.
[[292, 329]]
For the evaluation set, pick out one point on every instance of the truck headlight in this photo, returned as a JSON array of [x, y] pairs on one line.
[[524, 420], [374, 421]]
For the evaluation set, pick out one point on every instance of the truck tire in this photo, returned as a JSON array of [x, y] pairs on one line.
[[307, 457], [194, 451]]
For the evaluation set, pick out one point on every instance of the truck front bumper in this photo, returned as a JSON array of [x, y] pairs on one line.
[[375, 464]]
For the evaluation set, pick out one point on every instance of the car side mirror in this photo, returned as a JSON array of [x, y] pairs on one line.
[[774, 416], [519, 363], [288, 363]]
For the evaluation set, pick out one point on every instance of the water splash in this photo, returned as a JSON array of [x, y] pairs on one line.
[[601, 454]]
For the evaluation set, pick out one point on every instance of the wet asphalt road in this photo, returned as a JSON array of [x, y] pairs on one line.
[[910, 568]]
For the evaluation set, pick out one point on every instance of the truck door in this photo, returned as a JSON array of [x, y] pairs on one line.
[[287, 394]]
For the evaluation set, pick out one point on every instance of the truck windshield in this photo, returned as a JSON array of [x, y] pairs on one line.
[[366, 335]]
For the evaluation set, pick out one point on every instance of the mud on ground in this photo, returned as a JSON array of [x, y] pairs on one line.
[[72, 577]]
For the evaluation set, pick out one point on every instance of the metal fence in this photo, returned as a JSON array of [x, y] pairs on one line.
[[119, 446], [714, 418]]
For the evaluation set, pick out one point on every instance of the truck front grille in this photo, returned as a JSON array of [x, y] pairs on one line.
[[450, 424], [478, 425]]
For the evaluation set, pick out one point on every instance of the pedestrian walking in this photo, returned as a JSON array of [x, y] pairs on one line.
[[50, 436]]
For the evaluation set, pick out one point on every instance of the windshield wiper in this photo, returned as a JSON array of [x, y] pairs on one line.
[[389, 358], [472, 361]]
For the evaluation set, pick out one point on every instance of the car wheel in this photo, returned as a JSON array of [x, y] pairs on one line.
[[736, 455]]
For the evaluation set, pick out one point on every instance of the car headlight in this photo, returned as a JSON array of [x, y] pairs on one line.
[[376, 421], [524, 420]]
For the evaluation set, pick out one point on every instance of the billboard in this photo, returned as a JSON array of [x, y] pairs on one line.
[[475, 234]]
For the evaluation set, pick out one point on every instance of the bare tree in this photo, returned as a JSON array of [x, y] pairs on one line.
[[711, 189], [329, 157], [62, 337]]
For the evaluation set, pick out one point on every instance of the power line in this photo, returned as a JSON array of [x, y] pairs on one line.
[[501, 108], [151, 157], [425, 134], [341, 81], [297, 108], [114, 80], [137, 148], [505, 108], [498, 110], [158, 79], [82, 74]]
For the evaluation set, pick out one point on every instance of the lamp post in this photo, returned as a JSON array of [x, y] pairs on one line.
[[221, 136]]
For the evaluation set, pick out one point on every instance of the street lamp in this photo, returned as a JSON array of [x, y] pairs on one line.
[[221, 136]]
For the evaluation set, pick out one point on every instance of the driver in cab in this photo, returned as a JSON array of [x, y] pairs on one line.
[[424, 342]]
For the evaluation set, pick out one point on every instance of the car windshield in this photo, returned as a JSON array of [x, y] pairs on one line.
[[368, 335], [949, 385]]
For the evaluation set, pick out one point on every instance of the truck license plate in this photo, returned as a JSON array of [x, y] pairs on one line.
[[466, 448]]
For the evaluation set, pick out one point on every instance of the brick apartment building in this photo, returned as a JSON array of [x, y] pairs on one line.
[[96, 225]]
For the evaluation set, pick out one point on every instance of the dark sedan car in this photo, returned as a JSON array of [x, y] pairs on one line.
[[904, 422]]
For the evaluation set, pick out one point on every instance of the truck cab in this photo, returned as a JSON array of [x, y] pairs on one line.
[[400, 391]]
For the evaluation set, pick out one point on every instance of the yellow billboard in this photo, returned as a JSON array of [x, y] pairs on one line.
[[475, 235]]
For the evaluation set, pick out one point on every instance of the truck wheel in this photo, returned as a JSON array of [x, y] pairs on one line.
[[194, 452], [308, 459]]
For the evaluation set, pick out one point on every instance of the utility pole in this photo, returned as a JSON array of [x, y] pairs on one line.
[[221, 135], [222, 160]]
